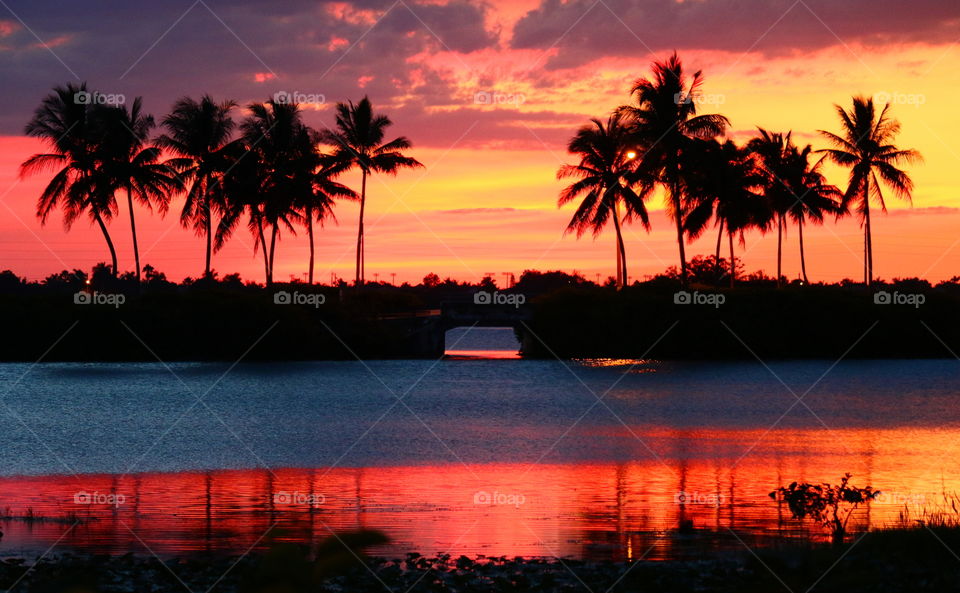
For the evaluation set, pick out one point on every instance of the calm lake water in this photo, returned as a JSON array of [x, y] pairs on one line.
[[474, 454]]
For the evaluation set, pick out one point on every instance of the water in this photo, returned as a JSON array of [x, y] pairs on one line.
[[583, 458]]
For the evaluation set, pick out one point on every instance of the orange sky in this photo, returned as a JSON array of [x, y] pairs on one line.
[[486, 201]]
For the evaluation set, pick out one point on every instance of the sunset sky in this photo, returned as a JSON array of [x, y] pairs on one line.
[[486, 201]]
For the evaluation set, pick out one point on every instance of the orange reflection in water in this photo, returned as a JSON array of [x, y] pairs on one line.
[[598, 510]]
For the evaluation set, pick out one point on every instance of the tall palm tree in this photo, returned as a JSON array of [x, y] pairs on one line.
[[199, 134], [665, 122], [865, 145], [774, 152], [358, 141], [604, 180], [275, 175], [67, 125], [127, 164], [814, 197], [726, 186], [318, 204]]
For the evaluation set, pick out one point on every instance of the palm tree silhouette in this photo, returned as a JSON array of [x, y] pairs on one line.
[[318, 204], [128, 165], [275, 175], [199, 134], [865, 145], [726, 186], [66, 122], [774, 152], [358, 141], [604, 180], [666, 121], [814, 197]]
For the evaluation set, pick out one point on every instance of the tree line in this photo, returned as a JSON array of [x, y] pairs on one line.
[[270, 169], [661, 141]]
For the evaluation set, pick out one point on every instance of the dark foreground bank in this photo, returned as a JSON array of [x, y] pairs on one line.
[[222, 321], [916, 560]]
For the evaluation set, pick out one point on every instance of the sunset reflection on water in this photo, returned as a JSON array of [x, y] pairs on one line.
[[654, 509]]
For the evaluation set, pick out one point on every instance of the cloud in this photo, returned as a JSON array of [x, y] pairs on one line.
[[583, 30], [244, 50]]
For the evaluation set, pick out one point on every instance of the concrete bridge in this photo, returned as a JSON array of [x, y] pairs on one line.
[[425, 330]]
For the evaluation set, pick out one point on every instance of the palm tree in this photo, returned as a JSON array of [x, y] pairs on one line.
[[725, 185], [814, 197], [125, 163], [865, 145], [274, 177], [318, 204], [67, 124], [773, 152], [665, 122], [358, 141], [199, 134], [604, 180]]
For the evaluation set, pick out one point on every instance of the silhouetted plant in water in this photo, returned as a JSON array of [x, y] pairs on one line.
[[828, 504]]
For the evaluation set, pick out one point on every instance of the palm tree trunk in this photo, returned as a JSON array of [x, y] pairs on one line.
[[263, 248], [363, 203], [621, 253], [733, 262], [309, 214], [133, 229], [273, 247], [716, 258], [868, 238], [803, 259], [779, 249], [209, 230], [678, 214], [106, 235]]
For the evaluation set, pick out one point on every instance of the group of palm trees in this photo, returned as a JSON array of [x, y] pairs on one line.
[[661, 141], [271, 169]]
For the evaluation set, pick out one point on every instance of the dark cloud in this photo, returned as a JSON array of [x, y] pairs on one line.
[[583, 30], [243, 50]]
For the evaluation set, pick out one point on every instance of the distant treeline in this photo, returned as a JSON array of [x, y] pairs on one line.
[[71, 316]]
